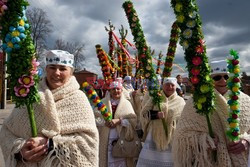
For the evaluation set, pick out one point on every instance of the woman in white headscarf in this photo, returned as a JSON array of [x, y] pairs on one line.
[[157, 146], [192, 144], [67, 133], [123, 117]]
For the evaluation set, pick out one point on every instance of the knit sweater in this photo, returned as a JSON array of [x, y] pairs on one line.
[[124, 110], [63, 114], [172, 107], [192, 140]]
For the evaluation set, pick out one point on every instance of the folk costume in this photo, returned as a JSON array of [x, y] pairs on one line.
[[157, 147], [65, 115]]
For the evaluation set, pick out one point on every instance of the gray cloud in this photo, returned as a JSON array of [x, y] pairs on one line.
[[225, 26]]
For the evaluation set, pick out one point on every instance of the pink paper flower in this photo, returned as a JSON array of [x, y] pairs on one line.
[[35, 64], [21, 91], [26, 81]]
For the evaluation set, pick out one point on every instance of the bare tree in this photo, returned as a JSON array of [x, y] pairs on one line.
[[74, 48], [41, 27]]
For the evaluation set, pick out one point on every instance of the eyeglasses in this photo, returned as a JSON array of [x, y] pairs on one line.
[[218, 77]]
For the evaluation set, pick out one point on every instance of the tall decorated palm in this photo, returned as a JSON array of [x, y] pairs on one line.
[[21, 65], [144, 56], [192, 41]]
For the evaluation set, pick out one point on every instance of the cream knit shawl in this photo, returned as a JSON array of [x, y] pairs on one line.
[[191, 138], [124, 110], [172, 107], [65, 115]]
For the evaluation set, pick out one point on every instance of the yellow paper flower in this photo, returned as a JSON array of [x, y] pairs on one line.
[[15, 33], [21, 22], [236, 70], [180, 18], [178, 7], [199, 106], [234, 107], [10, 45], [85, 84], [235, 89], [202, 99], [204, 88], [233, 125]]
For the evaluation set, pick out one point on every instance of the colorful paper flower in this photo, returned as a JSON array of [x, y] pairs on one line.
[[187, 33], [196, 60], [26, 81], [21, 91], [199, 49], [180, 18], [178, 7], [195, 80], [195, 71], [190, 23]]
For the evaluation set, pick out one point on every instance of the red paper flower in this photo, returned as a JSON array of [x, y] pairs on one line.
[[235, 62], [195, 71], [236, 80], [196, 61], [199, 49], [234, 116], [235, 133], [235, 97], [195, 80]]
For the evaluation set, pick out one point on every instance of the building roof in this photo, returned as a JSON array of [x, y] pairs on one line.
[[84, 71]]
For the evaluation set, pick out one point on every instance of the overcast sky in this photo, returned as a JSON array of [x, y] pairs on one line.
[[226, 26]]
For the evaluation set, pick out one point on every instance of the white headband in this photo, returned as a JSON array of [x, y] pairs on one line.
[[218, 67], [59, 57], [170, 80]]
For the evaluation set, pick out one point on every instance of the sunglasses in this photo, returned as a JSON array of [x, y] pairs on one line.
[[218, 77]]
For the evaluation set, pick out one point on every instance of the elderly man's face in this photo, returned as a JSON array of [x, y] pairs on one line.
[[169, 89], [57, 75], [220, 82]]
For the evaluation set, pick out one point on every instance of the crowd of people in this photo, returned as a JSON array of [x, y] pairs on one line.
[[71, 132]]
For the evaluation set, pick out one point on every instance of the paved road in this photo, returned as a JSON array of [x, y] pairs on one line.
[[4, 113]]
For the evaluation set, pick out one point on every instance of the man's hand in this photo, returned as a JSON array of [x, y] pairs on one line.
[[237, 147]]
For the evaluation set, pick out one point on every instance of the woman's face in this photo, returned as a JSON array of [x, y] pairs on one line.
[[116, 93], [220, 82], [169, 89], [57, 75]]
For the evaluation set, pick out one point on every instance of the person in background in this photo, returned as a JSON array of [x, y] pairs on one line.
[[67, 133], [123, 116], [127, 84], [181, 89], [192, 144], [156, 150]]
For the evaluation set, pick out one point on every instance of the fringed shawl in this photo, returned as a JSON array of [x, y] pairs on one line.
[[64, 115], [172, 108], [191, 138], [124, 110]]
